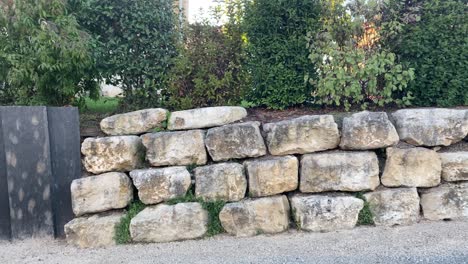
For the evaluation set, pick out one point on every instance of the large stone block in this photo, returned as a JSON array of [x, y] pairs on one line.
[[175, 148], [205, 117], [447, 201], [398, 206], [454, 166], [223, 181], [165, 223], [100, 193], [119, 153], [256, 216], [134, 123], [339, 171], [325, 213], [431, 127], [302, 135], [413, 167], [93, 231], [368, 130], [273, 175], [158, 185], [235, 141]]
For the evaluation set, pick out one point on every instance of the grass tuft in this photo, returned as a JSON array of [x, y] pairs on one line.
[[213, 208], [365, 215], [122, 230]]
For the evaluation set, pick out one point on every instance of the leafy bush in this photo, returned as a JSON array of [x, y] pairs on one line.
[[277, 60], [135, 45], [352, 68], [432, 39], [207, 71], [45, 58]]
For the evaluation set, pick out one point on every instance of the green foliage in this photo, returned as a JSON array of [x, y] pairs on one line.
[[213, 208], [365, 215], [102, 105], [432, 39], [44, 57], [135, 45], [277, 53], [352, 68], [122, 230], [207, 71]]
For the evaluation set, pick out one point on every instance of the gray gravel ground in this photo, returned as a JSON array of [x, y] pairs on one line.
[[426, 242]]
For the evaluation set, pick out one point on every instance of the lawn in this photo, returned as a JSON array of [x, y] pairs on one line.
[[101, 106]]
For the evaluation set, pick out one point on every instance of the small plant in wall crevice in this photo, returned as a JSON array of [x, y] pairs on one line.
[[365, 215], [122, 230]]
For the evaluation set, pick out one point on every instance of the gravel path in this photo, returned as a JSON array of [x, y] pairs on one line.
[[426, 242]]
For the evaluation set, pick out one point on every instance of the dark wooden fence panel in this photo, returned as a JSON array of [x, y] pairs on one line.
[[5, 229], [41, 149], [64, 131]]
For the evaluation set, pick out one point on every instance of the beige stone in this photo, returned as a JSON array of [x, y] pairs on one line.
[[158, 185], [413, 167], [397, 206], [302, 135], [165, 223], [175, 148], [454, 166], [112, 190], [256, 216], [205, 117], [431, 126], [223, 181], [339, 171], [93, 231], [368, 130], [235, 141], [325, 213], [447, 201], [134, 123], [118, 153], [273, 175]]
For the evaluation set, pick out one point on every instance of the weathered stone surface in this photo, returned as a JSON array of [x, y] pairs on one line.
[[119, 153], [175, 148], [431, 127], [223, 181], [368, 130], [339, 171], [325, 213], [413, 167], [93, 231], [205, 117], [398, 206], [100, 193], [132, 123], [447, 201], [273, 175], [164, 223], [158, 185], [256, 216], [454, 166], [302, 135], [235, 141]]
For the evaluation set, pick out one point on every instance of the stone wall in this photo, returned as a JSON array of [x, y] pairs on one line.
[[301, 173]]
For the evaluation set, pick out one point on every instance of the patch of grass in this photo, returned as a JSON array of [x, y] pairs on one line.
[[122, 230], [365, 215], [102, 105], [191, 167], [213, 208]]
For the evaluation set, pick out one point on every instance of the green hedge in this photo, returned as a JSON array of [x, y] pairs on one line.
[[277, 50], [435, 44]]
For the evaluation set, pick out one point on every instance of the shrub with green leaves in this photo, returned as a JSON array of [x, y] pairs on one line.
[[44, 57], [432, 39], [208, 70], [277, 52], [352, 68], [135, 45]]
